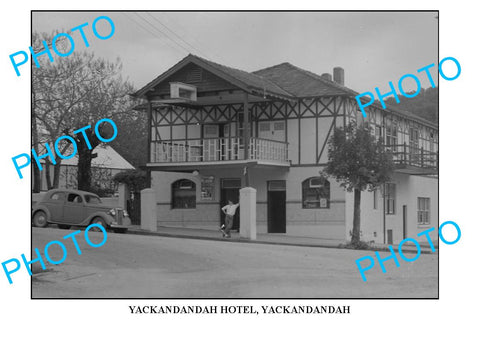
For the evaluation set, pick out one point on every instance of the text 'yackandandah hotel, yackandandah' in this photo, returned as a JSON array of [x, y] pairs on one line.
[[216, 129]]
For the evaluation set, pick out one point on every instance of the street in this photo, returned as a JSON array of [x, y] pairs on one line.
[[137, 266]]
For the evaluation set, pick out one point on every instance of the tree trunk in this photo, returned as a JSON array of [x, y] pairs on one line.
[[84, 172], [47, 173], [56, 174], [36, 175], [356, 216]]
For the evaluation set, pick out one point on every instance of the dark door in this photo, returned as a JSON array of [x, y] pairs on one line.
[[230, 190], [276, 202], [404, 221]]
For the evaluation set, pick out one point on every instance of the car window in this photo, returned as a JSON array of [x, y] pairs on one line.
[[58, 196], [74, 198], [92, 199]]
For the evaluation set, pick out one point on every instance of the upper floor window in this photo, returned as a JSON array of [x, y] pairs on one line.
[[423, 213], [391, 133], [184, 194], [390, 189], [315, 193], [414, 137], [378, 132]]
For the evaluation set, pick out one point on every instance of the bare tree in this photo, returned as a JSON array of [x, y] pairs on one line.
[[71, 93]]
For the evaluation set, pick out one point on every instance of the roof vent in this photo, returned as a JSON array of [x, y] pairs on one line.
[[183, 91]]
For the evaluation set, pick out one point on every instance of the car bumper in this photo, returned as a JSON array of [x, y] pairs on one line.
[[123, 222]]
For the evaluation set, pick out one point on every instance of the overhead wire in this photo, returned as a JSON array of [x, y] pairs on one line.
[[193, 48], [161, 32], [146, 29]]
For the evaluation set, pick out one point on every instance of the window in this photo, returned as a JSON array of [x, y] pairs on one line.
[[279, 126], [264, 126], [414, 138], [58, 196], [375, 199], [75, 198], [378, 132], [92, 199], [316, 193], [390, 198], [184, 194], [391, 134], [423, 215]]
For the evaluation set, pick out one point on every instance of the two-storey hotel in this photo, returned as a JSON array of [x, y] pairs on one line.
[[215, 129]]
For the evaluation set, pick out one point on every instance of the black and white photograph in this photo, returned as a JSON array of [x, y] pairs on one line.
[[242, 165], [210, 170]]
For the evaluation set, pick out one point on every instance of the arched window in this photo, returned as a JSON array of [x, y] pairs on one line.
[[315, 193], [184, 194]]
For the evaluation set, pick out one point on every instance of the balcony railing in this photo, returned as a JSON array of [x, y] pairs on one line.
[[217, 149], [407, 155]]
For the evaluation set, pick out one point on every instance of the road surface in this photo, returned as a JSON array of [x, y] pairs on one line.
[[137, 266]]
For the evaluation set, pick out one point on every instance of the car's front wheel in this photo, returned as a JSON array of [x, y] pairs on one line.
[[98, 220], [40, 219]]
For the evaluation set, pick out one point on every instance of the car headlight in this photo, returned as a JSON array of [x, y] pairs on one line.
[[125, 213], [112, 212]]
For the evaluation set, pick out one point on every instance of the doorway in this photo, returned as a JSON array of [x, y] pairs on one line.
[[276, 203], [230, 190]]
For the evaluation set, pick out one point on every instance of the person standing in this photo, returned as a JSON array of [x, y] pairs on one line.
[[229, 211]]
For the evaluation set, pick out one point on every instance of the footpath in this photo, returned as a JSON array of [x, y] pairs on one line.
[[277, 239]]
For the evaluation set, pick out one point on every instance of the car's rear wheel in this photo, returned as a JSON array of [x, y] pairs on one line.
[[98, 220], [64, 226], [40, 219]]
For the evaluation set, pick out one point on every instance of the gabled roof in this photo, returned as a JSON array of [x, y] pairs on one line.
[[246, 81], [303, 83], [285, 81]]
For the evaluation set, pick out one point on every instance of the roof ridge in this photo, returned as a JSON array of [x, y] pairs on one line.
[[325, 81], [273, 66]]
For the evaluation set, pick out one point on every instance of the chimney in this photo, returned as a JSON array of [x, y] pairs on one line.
[[327, 76], [339, 75]]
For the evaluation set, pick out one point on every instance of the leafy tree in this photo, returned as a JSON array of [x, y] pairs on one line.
[[424, 104], [132, 143], [135, 180], [358, 162]]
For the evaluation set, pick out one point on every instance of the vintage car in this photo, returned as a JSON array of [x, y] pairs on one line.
[[68, 208]]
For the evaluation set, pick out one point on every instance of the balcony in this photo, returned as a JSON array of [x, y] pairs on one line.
[[414, 160], [221, 151]]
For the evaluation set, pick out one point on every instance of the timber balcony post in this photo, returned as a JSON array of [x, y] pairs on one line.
[[246, 127], [421, 157], [404, 152]]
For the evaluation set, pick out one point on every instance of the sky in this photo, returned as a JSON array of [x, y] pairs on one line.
[[372, 47]]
